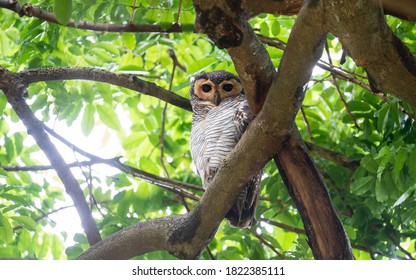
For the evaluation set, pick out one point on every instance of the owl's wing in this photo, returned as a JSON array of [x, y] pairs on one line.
[[242, 118], [198, 146]]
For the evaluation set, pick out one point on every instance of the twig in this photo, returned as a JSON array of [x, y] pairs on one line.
[[179, 13], [339, 72], [133, 11], [148, 177], [45, 215], [162, 136], [265, 242], [176, 63], [302, 109], [397, 244], [168, 184], [332, 156], [301, 231], [341, 96], [283, 226]]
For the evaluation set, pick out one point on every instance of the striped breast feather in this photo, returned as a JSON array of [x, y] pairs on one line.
[[224, 127]]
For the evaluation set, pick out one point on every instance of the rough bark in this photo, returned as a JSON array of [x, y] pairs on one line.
[[404, 9], [364, 33], [282, 102], [272, 133]]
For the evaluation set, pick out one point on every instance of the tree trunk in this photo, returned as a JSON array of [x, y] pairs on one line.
[[326, 235]]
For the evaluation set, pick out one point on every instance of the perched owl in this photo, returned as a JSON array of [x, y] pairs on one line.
[[220, 116]]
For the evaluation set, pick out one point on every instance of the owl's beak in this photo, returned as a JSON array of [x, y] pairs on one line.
[[217, 98]]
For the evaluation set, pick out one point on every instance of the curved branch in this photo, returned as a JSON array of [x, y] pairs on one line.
[[147, 236], [395, 73], [15, 89], [100, 75]]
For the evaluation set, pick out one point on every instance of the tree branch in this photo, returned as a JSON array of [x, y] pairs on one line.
[[45, 215], [404, 9], [115, 162], [332, 156], [396, 72], [100, 75], [175, 186], [15, 89], [274, 125], [36, 12]]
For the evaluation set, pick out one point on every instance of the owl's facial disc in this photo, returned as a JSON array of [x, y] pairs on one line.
[[207, 90], [229, 88]]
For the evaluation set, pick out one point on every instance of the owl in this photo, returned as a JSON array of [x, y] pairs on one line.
[[220, 116]]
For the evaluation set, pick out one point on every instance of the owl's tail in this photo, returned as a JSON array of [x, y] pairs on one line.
[[243, 212]]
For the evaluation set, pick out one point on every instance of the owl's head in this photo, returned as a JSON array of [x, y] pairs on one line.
[[214, 86]]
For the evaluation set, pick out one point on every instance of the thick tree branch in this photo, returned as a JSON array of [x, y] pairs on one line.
[[276, 118], [100, 75], [404, 9], [147, 236], [395, 73], [228, 28], [14, 89]]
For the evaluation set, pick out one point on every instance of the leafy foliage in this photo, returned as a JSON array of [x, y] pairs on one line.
[[375, 200]]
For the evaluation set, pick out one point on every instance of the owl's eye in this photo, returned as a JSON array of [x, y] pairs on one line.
[[206, 88], [228, 87]]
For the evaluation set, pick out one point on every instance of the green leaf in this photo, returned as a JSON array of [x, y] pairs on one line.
[[40, 102], [129, 40], [383, 117], [73, 252], [264, 28], [275, 27], [44, 246], [381, 190], [3, 102], [360, 106], [6, 230], [362, 185], [26, 222], [411, 163], [18, 142], [403, 197], [63, 11], [369, 164], [350, 232], [56, 247], [15, 198], [87, 123], [385, 154], [8, 144], [398, 164], [108, 116], [3, 173], [103, 55]]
